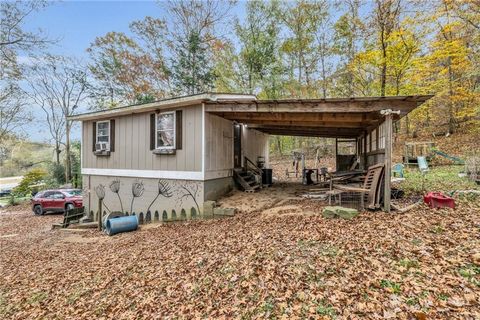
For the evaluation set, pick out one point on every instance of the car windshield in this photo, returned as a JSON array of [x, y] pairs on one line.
[[72, 193]]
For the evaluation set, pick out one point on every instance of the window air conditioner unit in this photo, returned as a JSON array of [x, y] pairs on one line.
[[101, 146]]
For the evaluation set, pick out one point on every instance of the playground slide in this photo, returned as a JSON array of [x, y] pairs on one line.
[[443, 154]]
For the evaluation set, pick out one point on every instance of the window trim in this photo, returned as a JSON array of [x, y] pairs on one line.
[[174, 145], [108, 134]]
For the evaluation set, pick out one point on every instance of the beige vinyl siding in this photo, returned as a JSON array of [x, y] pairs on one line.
[[219, 143], [254, 144], [132, 145]]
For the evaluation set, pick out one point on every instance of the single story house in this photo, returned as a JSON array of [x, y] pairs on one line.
[[170, 156]]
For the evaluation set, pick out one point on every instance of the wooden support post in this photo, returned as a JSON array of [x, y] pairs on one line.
[[388, 158], [336, 152], [99, 215], [365, 158]]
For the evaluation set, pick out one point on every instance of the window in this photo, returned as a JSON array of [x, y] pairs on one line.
[[57, 195], [381, 136], [374, 140], [42, 194], [103, 133], [368, 143], [165, 129], [74, 192]]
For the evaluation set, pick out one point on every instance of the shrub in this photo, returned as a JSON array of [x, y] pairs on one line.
[[472, 167], [57, 173], [32, 177]]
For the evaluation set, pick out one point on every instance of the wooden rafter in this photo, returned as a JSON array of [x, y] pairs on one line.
[[312, 106], [299, 116]]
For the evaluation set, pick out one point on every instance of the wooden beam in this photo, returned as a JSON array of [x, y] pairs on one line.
[[308, 124], [299, 116], [306, 134], [311, 106], [388, 159], [348, 131]]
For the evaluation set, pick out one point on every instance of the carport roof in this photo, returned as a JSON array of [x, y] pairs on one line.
[[333, 117]]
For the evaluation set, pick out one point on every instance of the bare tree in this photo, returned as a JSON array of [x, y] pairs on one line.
[[199, 17], [12, 112], [58, 84], [13, 38]]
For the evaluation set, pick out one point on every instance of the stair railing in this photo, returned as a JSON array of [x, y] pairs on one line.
[[250, 165]]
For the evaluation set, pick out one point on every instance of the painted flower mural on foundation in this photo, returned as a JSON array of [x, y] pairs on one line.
[[115, 188], [189, 191], [137, 191], [155, 195], [100, 191], [164, 189]]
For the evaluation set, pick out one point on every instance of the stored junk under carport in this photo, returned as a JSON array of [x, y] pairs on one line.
[[367, 121]]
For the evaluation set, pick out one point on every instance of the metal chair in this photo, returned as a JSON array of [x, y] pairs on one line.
[[397, 170]]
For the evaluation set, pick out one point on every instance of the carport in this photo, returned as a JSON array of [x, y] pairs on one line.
[[368, 121]]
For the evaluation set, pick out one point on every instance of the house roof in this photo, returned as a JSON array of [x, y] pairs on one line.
[[331, 117], [168, 103]]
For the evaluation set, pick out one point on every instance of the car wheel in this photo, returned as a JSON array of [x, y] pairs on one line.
[[38, 210], [69, 206]]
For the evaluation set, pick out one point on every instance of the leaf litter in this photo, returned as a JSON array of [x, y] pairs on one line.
[[418, 265]]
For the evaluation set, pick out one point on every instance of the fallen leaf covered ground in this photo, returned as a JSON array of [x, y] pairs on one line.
[[423, 264]]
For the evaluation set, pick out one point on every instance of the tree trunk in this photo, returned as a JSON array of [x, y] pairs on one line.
[[324, 74], [57, 152], [383, 76], [68, 169], [279, 145], [451, 116], [250, 89]]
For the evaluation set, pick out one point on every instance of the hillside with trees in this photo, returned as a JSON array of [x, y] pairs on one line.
[[304, 49], [274, 49]]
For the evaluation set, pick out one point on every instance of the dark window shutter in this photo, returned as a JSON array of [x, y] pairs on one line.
[[178, 130], [112, 135], [152, 131], [94, 136]]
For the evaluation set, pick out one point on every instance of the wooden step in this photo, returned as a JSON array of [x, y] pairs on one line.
[[247, 180]]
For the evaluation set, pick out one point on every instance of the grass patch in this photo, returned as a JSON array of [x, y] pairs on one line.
[[268, 306], [37, 298], [323, 309], [329, 251], [437, 229], [303, 244], [412, 301], [441, 178], [471, 273], [409, 263], [7, 201], [416, 242], [443, 296], [74, 297], [392, 286]]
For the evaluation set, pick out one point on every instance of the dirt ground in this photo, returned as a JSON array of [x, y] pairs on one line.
[[276, 259]]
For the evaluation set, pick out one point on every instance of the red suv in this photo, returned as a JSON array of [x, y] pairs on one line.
[[56, 200]]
